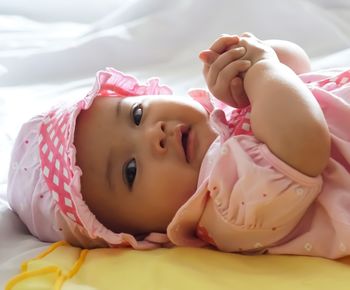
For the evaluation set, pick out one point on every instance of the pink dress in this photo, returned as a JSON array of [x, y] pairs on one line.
[[250, 201]]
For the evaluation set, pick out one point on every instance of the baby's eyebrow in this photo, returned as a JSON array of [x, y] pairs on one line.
[[109, 170], [119, 107]]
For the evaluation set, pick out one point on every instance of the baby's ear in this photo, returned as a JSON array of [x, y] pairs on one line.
[[208, 56]]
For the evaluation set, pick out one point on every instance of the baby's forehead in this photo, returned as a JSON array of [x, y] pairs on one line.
[[170, 99]]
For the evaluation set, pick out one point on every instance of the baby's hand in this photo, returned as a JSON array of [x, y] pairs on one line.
[[223, 68], [256, 49]]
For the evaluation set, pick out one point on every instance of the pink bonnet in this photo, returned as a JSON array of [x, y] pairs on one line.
[[44, 181]]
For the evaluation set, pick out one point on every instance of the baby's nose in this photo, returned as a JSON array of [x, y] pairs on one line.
[[158, 138]]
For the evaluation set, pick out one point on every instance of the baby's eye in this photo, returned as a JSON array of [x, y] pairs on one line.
[[137, 112], [130, 172]]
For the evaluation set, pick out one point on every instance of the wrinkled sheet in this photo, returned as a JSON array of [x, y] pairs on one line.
[[51, 50]]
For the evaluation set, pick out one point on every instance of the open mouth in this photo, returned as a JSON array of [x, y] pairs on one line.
[[184, 140]]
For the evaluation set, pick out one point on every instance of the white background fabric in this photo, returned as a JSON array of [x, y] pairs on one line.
[[50, 50]]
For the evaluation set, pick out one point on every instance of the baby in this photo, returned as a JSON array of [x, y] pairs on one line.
[[261, 167]]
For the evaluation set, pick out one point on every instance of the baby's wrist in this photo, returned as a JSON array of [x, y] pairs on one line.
[[266, 56]]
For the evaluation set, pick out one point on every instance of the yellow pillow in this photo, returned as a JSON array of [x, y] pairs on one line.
[[66, 267]]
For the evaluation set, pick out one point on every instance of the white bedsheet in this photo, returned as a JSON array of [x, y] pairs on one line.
[[50, 50]]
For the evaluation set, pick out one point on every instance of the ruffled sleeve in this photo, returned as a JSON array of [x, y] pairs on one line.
[[253, 199]]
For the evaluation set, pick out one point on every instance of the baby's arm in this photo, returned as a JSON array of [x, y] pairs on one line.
[[291, 54], [288, 53], [285, 115]]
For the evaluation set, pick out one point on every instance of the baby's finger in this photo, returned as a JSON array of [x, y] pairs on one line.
[[230, 72], [247, 34], [222, 43], [208, 56], [238, 94], [222, 61]]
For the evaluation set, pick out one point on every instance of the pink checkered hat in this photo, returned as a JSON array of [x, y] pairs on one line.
[[44, 181]]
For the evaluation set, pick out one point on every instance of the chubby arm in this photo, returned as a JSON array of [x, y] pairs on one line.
[[225, 47], [291, 54], [285, 115]]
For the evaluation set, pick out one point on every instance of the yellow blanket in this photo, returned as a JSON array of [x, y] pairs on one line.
[[66, 267]]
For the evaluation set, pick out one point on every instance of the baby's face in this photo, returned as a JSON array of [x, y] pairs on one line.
[[140, 158]]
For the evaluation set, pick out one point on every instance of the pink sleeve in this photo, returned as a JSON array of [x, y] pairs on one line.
[[255, 198]]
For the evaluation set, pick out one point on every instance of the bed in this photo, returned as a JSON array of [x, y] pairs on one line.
[[49, 52]]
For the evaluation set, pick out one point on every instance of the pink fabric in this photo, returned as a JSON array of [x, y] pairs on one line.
[[44, 181], [247, 199], [250, 201]]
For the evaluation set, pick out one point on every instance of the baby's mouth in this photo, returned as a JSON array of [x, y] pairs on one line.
[[184, 140]]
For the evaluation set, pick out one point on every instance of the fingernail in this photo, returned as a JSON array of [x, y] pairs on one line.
[[235, 82], [203, 56], [241, 49], [247, 62], [206, 56]]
